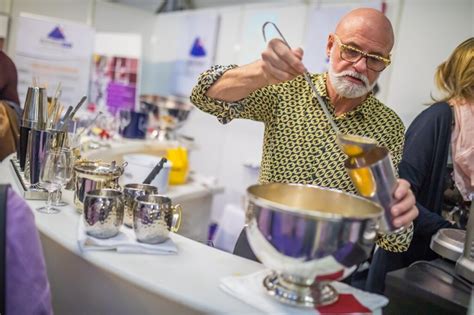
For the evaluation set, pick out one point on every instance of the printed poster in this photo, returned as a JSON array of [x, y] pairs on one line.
[[49, 51], [114, 84]]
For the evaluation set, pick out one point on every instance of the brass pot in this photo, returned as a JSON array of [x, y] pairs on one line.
[[93, 175]]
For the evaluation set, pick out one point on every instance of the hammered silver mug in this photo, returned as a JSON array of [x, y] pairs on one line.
[[103, 212], [132, 191], [154, 217]]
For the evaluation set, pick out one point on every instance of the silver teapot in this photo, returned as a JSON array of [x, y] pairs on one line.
[[94, 175]]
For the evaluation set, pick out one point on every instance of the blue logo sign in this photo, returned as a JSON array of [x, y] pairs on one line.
[[57, 38], [197, 50], [56, 34]]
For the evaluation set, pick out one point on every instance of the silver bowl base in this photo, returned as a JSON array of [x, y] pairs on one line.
[[318, 294]]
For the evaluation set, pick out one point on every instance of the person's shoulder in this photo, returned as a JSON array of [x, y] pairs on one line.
[[440, 111], [5, 60]]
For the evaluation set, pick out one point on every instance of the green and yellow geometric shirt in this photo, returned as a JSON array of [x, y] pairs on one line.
[[299, 143]]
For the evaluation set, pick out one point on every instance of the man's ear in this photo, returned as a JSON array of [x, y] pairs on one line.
[[329, 44]]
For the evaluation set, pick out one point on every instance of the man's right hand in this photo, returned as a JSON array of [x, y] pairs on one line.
[[280, 63]]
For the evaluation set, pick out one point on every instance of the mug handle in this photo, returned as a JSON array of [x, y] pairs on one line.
[[177, 215]]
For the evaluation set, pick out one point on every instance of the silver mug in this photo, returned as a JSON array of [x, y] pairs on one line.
[[103, 212], [132, 191], [94, 175], [154, 217], [374, 177]]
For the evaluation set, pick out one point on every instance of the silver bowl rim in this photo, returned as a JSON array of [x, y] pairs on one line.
[[140, 186], [181, 103], [104, 193], [312, 213], [144, 199]]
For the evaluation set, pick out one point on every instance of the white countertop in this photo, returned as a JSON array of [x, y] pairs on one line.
[[191, 277]]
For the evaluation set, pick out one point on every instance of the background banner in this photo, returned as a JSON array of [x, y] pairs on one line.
[[53, 51]]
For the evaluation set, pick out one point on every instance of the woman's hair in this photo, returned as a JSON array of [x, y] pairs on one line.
[[455, 76]]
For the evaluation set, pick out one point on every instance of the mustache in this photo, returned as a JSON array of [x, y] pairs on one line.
[[354, 74]]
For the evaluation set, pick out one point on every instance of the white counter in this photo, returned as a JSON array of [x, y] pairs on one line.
[[112, 283]]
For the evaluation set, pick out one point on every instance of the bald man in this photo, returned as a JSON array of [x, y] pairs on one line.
[[299, 144]]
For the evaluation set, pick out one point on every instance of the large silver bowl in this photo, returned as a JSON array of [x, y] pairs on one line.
[[308, 236], [170, 112]]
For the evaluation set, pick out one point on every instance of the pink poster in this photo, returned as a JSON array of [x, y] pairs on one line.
[[114, 83]]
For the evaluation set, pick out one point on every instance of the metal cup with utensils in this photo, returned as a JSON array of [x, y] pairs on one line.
[[103, 212], [374, 177], [57, 139], [154, 217], [132, 191]]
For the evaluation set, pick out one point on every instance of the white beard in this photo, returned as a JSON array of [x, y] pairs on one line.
[[346, 88]]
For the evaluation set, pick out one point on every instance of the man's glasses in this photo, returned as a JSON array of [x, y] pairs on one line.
[[351, 54]]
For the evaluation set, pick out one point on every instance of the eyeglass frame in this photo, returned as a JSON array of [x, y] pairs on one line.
[[363, 54]]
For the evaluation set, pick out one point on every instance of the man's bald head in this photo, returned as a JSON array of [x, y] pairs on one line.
[[369, 22]]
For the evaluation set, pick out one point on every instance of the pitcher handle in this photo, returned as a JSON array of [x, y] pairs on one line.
[[177, 215]]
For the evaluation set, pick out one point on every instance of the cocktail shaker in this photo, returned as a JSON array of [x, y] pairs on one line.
[[34, 117], [35, 155]]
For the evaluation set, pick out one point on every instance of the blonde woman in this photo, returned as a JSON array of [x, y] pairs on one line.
[[443, 131]]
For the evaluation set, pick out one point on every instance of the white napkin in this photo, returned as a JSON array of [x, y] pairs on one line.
[[250, 289], [124, 242]]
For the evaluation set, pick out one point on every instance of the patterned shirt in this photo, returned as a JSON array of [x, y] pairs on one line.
[[299, 143]]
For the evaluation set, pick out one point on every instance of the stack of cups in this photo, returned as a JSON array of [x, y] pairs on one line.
[[153, 216]]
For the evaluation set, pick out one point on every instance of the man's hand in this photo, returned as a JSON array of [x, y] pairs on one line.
[[405, 210], [280, 63]]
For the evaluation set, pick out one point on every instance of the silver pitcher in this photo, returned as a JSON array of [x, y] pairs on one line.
[[103, 212], [374, 177], [93, 175], [154, 217], [132, 191]]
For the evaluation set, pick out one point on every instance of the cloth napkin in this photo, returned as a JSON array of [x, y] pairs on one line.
[[250, 289], [124, 242]]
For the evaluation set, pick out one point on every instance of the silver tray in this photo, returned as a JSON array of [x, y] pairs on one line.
[[28, 191]]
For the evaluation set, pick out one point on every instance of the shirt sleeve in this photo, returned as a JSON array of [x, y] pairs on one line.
[[259, 105], [396, 242]]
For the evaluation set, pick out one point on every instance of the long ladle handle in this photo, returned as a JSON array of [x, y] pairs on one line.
[[307, 78], [155, 171]]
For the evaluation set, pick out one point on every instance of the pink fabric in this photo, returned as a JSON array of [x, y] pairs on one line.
[[462, 145]]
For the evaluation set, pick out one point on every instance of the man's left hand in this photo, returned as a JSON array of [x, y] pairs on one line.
[[404, 211]]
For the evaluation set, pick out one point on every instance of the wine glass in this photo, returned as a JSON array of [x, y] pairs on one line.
[[56, 172], [73, 151]]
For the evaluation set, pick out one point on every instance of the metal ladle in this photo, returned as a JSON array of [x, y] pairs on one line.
[[352, 145]]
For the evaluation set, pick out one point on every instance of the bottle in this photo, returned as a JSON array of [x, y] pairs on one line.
[[179, 165]]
